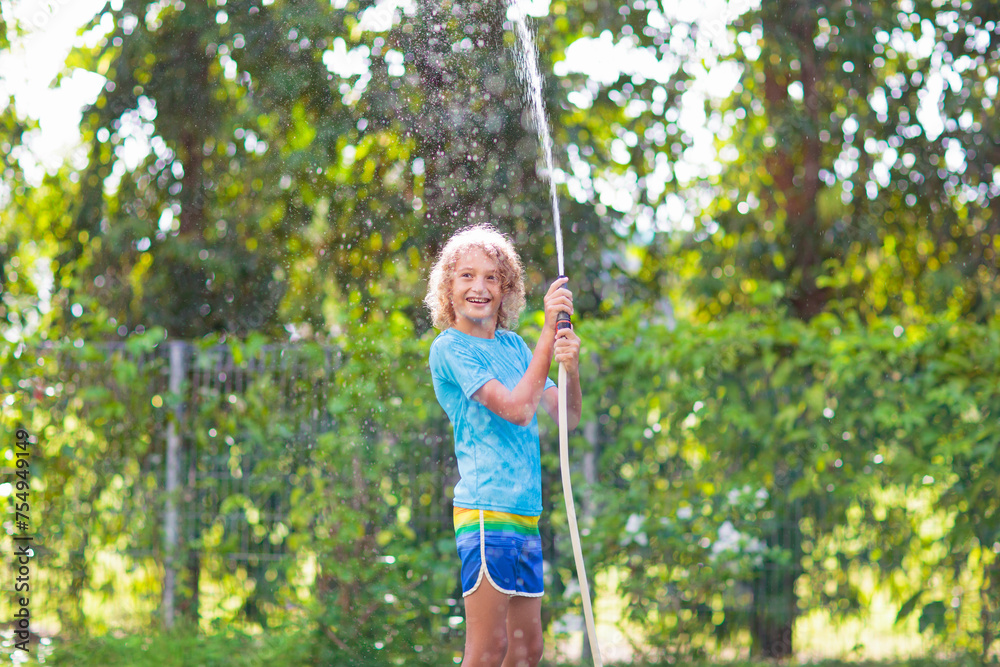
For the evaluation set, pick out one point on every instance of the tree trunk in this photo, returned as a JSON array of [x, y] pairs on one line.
[[795, 168], [773, 613], [775, 604], [432, 143], [989, 613]]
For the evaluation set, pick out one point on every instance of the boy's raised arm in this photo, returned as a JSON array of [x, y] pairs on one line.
[[520, 404]]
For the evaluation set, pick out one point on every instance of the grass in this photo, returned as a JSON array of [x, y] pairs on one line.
[[180, 649]]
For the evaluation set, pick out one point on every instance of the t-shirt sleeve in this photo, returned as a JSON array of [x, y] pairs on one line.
[[460, 366]]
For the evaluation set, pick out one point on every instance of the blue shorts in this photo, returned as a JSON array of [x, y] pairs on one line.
[[504, 548]]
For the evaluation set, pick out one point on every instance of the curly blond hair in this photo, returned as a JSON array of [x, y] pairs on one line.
[[509, 269]]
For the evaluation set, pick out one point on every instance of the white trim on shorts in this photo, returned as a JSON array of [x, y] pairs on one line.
[[483, 570]]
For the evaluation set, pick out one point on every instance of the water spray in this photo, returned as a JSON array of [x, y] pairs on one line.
[[528, 72], [526, 62]]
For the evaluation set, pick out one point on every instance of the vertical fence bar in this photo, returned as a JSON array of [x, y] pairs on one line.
[[170, 515]]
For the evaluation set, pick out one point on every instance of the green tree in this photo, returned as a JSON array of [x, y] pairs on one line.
[[864, 173], [304, 161], [857, 176]]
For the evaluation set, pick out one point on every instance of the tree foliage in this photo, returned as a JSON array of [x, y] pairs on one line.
[[735, 454], [859, 162], [256, 166], [730, 455]]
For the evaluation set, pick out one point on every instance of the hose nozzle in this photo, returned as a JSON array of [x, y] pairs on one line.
[[563, 320]]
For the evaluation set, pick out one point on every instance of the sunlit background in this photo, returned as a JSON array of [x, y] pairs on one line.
[[781, 229]]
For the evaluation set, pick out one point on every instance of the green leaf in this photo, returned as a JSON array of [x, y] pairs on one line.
[[933, 616]]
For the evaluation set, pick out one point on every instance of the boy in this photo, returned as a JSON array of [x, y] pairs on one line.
[[490, 385]]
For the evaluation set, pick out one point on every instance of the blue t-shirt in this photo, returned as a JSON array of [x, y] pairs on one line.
[[499, 462]]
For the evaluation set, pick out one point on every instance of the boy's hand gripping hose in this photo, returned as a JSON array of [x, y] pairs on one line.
[[563, 322]]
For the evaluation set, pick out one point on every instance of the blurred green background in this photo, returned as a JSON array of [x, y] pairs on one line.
[[781, 229]]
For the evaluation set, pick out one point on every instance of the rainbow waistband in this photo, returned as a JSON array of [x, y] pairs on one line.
[[467, 521]]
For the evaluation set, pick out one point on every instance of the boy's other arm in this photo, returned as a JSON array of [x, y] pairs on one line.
[[519, 405]]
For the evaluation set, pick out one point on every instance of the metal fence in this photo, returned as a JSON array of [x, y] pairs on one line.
[[189, 470], [205, 499]]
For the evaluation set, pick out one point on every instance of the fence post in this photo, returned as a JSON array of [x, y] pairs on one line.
[[170, 515]]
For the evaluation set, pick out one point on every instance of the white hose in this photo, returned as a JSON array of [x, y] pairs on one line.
[[574, 531]]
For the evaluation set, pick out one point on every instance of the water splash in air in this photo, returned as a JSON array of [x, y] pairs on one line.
[[526, 61]]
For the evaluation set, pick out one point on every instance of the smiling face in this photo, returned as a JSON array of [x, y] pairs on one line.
[[476, 294]]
